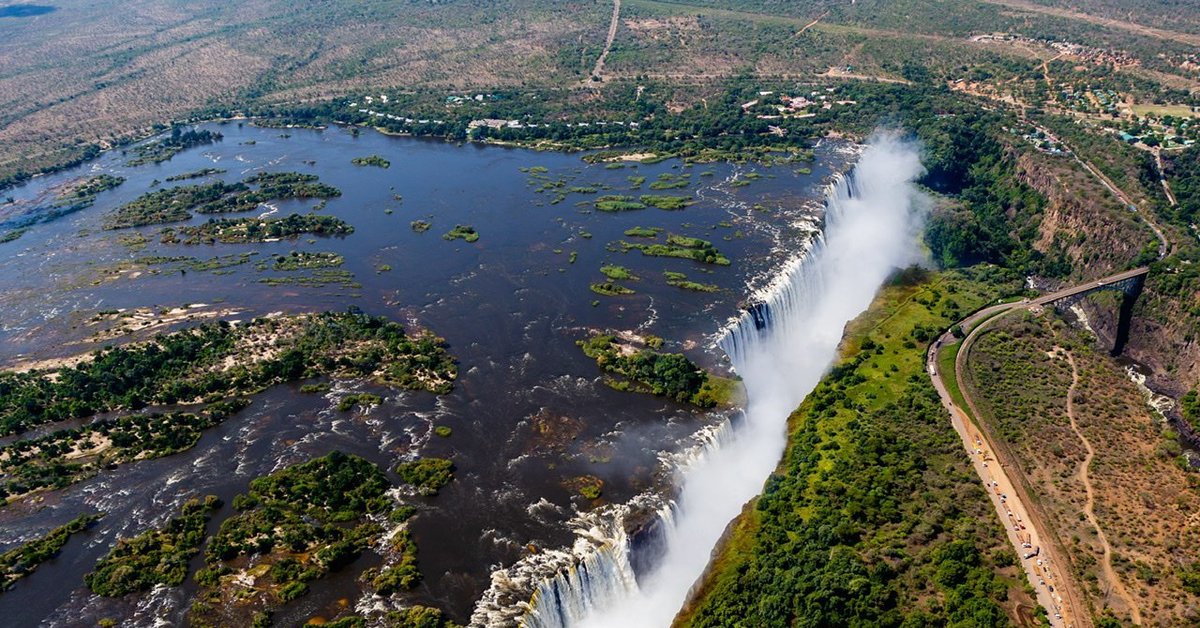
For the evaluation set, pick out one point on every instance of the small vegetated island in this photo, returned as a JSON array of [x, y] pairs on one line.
[[371, 160], [24, 559], [196, 174], [621, 203], [666, 374], [210, 366], [176, 204], [239, 230], [290, 529], [83, 193], [676, 246], [461, 232], [167, 147]]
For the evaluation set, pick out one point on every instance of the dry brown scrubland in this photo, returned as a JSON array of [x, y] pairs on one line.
[[101, 71], [1145, 504]]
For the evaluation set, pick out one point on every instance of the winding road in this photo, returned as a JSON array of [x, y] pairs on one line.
[[598, 71], [1045, 566]]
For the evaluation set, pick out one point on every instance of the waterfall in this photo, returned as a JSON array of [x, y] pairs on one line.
[[781, 346]]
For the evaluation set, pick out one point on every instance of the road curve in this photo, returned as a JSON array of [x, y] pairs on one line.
[[1045, 567]]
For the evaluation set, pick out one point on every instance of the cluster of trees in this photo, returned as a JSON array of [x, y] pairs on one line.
[[53, 461], [176, 204], [22, 560], [428, 475], [241, 230], [666, 374], [684, 247], [167, 147], [183, 366], [305, 521], [84, 194], [155, 556]]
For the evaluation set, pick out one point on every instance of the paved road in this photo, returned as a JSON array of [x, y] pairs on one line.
[[1045, 566]]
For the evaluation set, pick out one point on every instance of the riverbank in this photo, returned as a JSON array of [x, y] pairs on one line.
[[870, 468]]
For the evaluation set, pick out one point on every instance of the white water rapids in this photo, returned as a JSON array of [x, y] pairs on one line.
[[781, 348]]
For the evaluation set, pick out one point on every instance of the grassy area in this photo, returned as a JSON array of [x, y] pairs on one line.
[[872, 494]]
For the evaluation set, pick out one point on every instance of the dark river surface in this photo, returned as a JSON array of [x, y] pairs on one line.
[[529, 410]]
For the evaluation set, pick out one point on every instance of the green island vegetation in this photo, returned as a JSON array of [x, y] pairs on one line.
[[195, 174], [670, 181], [411, 617], [347, 403], [64, 457], [12, 234], [292, 527], [680, 280], [427, 475], [635, 182], [665, 374], [420, 226], [316, 279], [666, 202], [677, 246], [617, 203], [610, 289], [443, 431], [589, 486], [643, 232], [464, 232], [301, 260], [21, 561], [615, 272], [176, 204], [371, 160], [167, 147], [219, 360], [874, 424], [83, 194], [241, 230], [219, 265], [156, 556]]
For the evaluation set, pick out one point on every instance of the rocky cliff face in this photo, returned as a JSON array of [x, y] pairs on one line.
[[1100, 236], [1097, 233]]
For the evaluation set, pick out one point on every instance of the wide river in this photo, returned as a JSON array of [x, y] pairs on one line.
[[529, 411]]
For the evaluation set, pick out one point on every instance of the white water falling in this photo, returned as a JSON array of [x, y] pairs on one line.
[[781, 348]]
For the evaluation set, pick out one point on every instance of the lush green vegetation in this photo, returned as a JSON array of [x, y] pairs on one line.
[[610, 289], [348, 402], [195, 174], [64, 457], [177, 203], [617, 203], [167, 147], [190, 365], [665, 202], [411, 617], [300, 523], [83, 194], [666, 374], [427, 475], [300, 260], [1189, 407], [154, 556], [24, 559], [680, 280], [643, 232], [371, 160], [234, 230], [677, 246], [873, 516], [464, 232], [12, 234], [615, 272]]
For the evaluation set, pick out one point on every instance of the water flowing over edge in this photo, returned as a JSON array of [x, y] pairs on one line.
[[872, 215]]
